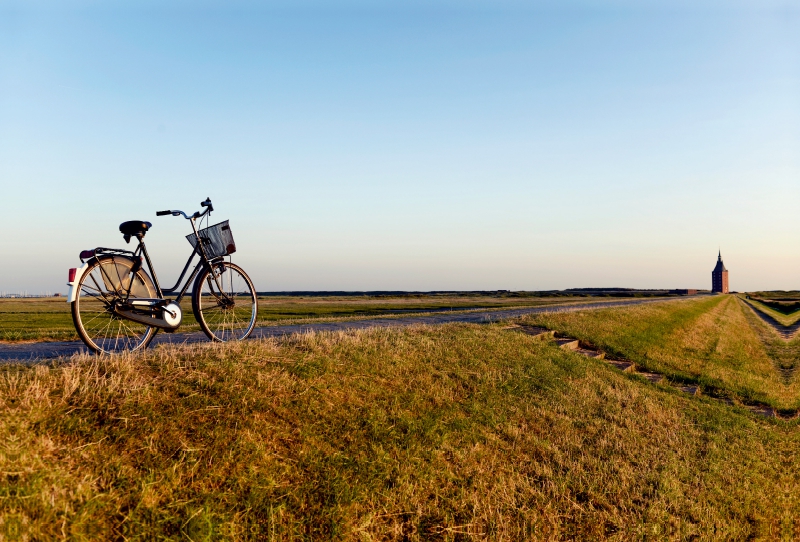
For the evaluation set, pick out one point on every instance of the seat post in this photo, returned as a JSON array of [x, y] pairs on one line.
[[152, 269]]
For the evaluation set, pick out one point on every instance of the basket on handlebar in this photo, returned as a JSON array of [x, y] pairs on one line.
[[217, 240]]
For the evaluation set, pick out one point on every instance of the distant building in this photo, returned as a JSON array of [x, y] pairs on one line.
[[719, 277]]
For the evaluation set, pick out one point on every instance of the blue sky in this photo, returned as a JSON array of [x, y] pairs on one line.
[[408, 145]]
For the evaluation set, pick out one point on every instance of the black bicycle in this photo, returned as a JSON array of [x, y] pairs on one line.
[[117, 306]]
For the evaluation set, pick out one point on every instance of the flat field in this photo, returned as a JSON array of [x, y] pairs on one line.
[[48, 319], [456, 432], [777, 294]]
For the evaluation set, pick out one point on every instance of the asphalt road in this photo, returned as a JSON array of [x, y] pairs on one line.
[[33, 352]]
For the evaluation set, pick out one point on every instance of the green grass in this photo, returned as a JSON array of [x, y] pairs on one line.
[[282, 309], [785, 317], [458, 432], [785, 353], [788, 308], [708, 341], [49, 319]]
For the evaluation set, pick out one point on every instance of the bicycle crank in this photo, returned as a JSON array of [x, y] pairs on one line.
[[137, 310]]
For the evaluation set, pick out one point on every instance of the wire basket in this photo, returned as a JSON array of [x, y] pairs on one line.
[[217, 240]]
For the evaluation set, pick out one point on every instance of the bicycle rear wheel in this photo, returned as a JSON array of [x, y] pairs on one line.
[[101, 288], [224, 302]]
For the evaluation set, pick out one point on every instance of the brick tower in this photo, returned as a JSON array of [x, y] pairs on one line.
[[719, 277]]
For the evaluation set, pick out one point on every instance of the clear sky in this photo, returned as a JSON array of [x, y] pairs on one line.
[[408, 145]]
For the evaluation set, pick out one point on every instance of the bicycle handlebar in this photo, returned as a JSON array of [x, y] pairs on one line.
[[197, 214]]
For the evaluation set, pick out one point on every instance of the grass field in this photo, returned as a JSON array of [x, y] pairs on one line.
[[49, 318], [455, 432], [785, 353], [776, 294], [715, 342], [785, 316]]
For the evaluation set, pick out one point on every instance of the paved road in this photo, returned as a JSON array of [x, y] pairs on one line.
[[31, 352]]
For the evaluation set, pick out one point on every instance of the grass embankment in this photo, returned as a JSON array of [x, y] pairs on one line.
[[788, 308], [785, 353], [454, 432], [707, 341], [49, 319], [783, 317]]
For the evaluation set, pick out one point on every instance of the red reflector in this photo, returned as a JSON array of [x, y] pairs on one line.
[[72, 274], [86, 254]]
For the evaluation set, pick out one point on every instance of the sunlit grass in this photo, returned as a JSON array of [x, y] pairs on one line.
[[785, 353], [785, 319], [454, 432], [708, 341]]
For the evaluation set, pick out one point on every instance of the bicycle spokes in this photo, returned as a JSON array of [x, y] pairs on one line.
[[104, 286], [225, 303]]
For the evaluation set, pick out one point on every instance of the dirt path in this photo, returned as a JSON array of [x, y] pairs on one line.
[[32, 352]]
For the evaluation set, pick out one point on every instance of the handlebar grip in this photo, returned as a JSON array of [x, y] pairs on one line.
[[163, 213]]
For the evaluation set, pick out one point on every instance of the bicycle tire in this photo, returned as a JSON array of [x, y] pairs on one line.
[[99, 288], [227, 317]]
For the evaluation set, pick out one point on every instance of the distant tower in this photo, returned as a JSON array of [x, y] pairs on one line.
[[719, 277]]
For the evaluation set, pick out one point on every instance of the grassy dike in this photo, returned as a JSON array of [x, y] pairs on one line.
[[785, 352], [712, 341], [457, 432], [785, 319]]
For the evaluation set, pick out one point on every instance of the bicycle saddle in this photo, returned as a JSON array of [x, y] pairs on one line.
[[134, 227]]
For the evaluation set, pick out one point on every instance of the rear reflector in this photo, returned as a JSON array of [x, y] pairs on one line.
[[72, 274], [86, 254]]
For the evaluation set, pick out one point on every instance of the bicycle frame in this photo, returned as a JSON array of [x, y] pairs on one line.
[[200, 265], [141, 250]]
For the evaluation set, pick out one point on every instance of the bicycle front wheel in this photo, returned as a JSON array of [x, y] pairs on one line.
[[224, 303], [104, 285]]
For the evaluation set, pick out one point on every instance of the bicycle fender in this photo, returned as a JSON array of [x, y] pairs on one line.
[[73, 286]]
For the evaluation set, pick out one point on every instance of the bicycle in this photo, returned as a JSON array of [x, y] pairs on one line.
[[117, 306]]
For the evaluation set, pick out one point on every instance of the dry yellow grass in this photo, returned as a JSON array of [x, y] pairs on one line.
[[457, 432]]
